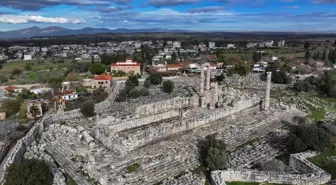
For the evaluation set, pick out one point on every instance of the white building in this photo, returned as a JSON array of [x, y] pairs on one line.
[[177, 44], [27, 57], [281, 43], [44, 49], [212, 45], [230, 46]]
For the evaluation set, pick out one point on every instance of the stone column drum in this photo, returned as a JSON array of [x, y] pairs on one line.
[[268, 90], [208, 79], [202, 82]]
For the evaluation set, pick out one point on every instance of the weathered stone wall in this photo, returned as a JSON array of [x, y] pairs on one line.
[[140, 137], [137, 122], [163, 106], [299, 161], [19, 149]]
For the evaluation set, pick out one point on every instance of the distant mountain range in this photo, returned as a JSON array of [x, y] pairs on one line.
[[60, 31]]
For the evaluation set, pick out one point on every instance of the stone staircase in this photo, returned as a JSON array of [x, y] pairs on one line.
[[161, 171], [263, 128], [69, 166]]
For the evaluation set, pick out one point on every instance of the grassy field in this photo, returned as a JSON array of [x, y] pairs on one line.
[[326, 164], [319, 106], [8, 67], [46, 64]]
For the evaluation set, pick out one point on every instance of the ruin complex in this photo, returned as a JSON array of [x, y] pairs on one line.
[[154, 139]]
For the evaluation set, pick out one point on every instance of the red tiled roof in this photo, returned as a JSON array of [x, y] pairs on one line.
[[10, 88], [133, 63], [102, 77]]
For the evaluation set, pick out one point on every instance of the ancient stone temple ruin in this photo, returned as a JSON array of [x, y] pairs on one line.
[[154, 139]]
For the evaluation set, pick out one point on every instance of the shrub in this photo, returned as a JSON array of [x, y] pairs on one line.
[[97, 69], [16, 71], [134, 93], [29, 172], [332, 91], [11, 106], [144, 92], [88, 109], [155, 79], [129, 85], [147, 83], [168, 86], [133, 168], [134, 80], [308, 137], [122, 96]]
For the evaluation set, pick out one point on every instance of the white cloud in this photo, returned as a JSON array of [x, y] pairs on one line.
[[23, 19]]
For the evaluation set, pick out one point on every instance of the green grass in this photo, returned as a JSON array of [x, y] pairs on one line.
[[133, 168], [8, 67], [323, 162], [249, 183], [317, 115], [70, 181]]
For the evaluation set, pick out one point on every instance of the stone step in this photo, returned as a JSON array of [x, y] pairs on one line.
[[69, 166]]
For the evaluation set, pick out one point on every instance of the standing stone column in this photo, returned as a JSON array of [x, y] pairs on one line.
[[208, 79], [202, 81], [268, 90]]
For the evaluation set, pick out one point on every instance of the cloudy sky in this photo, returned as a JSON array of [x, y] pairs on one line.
[[198, 15]]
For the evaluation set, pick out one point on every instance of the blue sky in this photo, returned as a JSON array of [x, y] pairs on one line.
[[198, 15]]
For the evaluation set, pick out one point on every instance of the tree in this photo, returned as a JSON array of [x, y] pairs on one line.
[[97, 68], [10, 106], [308, 137], [1, 66], [332, 91], [334, 43], [155, 79], [55, 82], [134, 93], [122, 96], [168, 86], [16, 71], [213, 153], [256, 57], [72, 77], [242, 68], [107, 59], [144, 91], [314, 55], [307, 55], [134, 80], [330, 54], [29, 172], [88, 109], [174, 57], [92, 60], [28, 66], [306, 45], [147, 83], [317, 55], [324, 55]]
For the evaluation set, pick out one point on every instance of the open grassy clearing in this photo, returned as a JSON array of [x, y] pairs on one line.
[[319, 106], [325, 162]]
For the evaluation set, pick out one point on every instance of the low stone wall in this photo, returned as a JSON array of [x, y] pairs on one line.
[[299, 162]]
